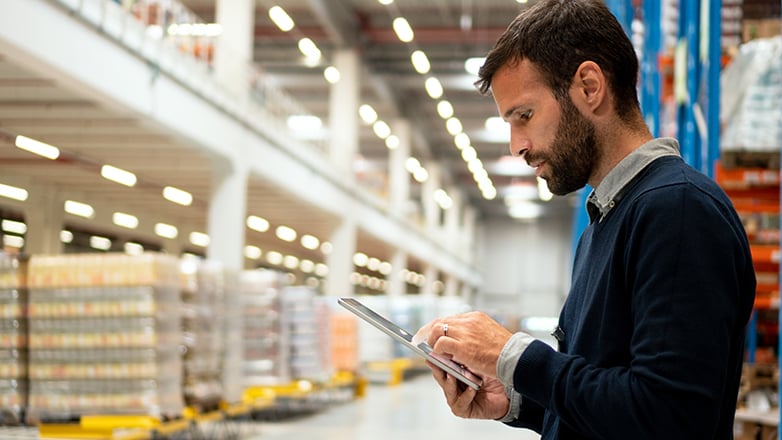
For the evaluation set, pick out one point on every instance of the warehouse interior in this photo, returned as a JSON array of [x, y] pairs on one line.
[[210, 169]]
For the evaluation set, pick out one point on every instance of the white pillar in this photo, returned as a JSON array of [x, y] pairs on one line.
[[227, 212], [398, 176], [470, 215], [451, 286], [44, 215], [431, 208], [396, 283], [453, 217], [234, 52], [431, 274], [340, 260], [343, 111]]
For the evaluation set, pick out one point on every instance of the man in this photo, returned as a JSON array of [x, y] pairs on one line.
[[651, 334]]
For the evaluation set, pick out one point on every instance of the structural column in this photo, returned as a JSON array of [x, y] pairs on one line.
[[343, 110], [431, 208], [234, 52], [431, 274], [451, 286], [44, 215], [396, 282], [470, 217], [453, 219], [340, 260], [398, 177], [227, 212]]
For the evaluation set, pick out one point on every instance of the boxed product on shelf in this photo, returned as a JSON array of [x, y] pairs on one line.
[[344, 341], [308, 334], [233, 345], [110, 345], [265, 330], [13, 339], [202, 317]]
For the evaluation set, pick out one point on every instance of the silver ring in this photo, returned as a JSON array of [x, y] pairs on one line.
[[445, 329]]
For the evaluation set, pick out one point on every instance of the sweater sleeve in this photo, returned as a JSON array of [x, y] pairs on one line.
[[685, 274]]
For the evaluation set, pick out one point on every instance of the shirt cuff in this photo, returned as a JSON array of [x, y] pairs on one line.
[[514, 406], [509, 357]]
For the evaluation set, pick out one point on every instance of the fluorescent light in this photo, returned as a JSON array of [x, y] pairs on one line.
[[385, 268], [525, 210], [199, 239], [79, 209], [100, 243], [310, 241], [125, 220], [373, 264], [444, 109], [462, 141], [309, 49], [37, 147], [252, 252], [543, 192], [321, 270], [421, 175], [290, 262], [392, 142], [306, 266], [177, 195], [256, 223], [304, 122], [166, 231], [14, 227], [420, 62], [285, 233], [385, 2], [274, 258], [403, 30], [381, 129], [454, 126], [281, 18], [66, 236], [469, 154], [13, 241], [133, 248], [326, 247], [13, 192], [367, 113], [473, 65], [412, 164], [360, 259], [474, 165], [118, 175], [489, 193], [433, 88], [442, 198], [331, 74]]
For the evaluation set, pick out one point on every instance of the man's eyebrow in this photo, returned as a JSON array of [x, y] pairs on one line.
[[512, 110]]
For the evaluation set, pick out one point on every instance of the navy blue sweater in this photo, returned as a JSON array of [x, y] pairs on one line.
[[652, 331]]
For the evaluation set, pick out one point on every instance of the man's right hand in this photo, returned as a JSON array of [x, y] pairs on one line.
[[490, 402]]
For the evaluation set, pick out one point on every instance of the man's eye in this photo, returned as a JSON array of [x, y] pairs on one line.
[[526, 115]]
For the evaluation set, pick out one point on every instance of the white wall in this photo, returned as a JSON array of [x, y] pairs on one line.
[[525, 266]]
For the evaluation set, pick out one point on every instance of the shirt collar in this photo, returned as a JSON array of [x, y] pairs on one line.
[[608, 192]]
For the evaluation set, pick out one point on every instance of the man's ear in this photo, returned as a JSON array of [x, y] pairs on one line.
[[589, 86]]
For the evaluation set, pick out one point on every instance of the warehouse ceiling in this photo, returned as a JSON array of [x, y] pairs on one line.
[[91, 132]]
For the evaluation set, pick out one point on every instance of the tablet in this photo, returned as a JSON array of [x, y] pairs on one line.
[[423, 349]]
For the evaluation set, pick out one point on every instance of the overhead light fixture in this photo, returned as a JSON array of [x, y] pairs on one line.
[[326, 247], [421, 175], [489, 193], [412, 164], [13, 241], [252, 252], [256, 223], [79, 209], [392, 142], [66, 236], [403, 30], [274, 257], [309, 49], [443, 199], [420, 62], [166, 231], [306, 266], [444, 109], [473, 65], [199, 239], [125, 220], [385, 268], [132, 248], [118, 175], [13, 192], [474, 165], [469, 154], [290, 262], [310, 241], [454, 126], [331, 74], [14, 227], [360, 259], [304, 123], [100, 243], [461, 140], [385, 2], [367, 113], [37, 147], [525, 210], [321, 270], [281, 18], [285, 233], [433, 87], [381, 129], [177, 196]]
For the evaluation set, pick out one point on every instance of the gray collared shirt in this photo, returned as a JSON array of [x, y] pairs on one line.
[[608, 192]]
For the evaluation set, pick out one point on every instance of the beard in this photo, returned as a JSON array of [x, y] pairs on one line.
[[573, 153]]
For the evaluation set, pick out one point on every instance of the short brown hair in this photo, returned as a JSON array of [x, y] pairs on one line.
[[557, 36]]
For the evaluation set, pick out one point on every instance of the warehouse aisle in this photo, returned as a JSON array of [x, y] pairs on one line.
[[414, 410]]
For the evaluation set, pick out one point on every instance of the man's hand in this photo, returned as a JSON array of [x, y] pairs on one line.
[[490, 402]]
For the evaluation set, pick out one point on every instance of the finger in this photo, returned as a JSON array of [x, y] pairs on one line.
[[462, 398]]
